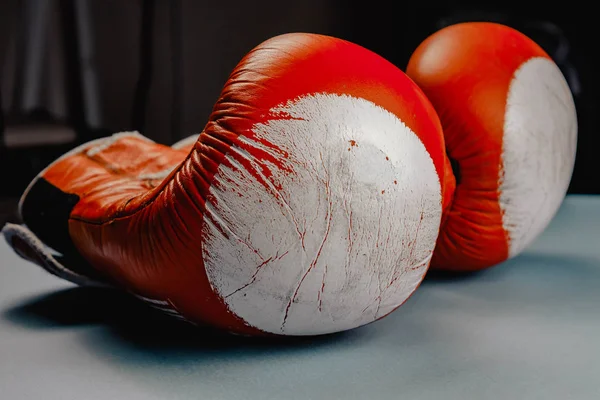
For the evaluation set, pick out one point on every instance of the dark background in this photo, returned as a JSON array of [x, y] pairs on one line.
[[158, 66]]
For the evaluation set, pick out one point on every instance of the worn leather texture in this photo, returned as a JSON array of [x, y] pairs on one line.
[[138, 212]]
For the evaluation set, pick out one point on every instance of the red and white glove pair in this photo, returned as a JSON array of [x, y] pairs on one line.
[[313, 199]]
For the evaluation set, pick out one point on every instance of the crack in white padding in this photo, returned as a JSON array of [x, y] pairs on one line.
[[540, 139], [338, 235]]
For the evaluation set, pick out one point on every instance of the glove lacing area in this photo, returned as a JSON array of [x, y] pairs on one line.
[[43, 237], [29, 247]]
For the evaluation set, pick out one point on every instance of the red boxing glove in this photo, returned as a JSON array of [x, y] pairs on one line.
[[510, 125], [309, 204]]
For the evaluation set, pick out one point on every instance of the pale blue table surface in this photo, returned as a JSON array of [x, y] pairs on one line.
[[526, 329]]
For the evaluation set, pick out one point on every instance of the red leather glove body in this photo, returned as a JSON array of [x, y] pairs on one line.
[[510, 125], [309, 204]]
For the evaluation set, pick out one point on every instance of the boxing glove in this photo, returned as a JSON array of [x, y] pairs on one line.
[[309, 204], [510, 129]]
